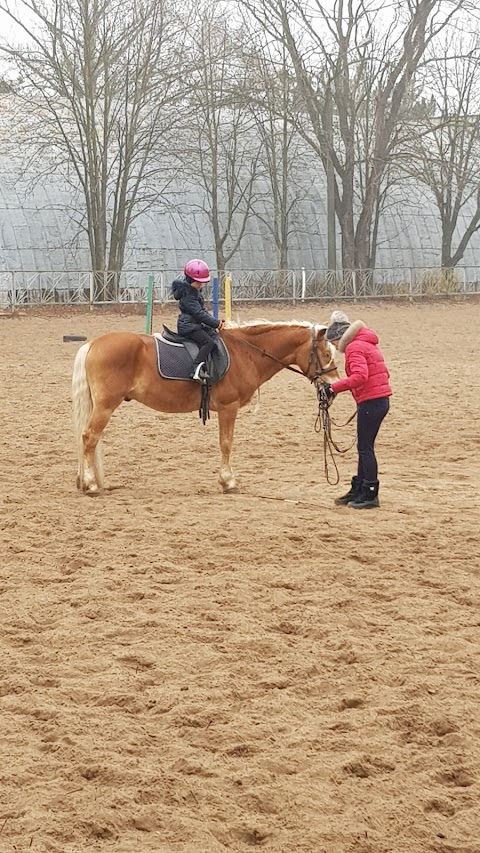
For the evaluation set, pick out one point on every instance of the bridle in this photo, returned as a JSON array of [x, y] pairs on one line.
[[313, 360]]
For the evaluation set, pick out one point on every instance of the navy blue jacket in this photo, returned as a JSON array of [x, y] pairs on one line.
[[192, 308]]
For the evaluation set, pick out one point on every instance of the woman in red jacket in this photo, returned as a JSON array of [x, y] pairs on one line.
[[368, 380]]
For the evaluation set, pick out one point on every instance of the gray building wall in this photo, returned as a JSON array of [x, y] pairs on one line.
[[39, 230]]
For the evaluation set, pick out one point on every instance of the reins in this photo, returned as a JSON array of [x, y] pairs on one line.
[[314, 354], [324, 422]]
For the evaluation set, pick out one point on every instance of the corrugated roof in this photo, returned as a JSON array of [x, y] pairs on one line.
[[39, 230]]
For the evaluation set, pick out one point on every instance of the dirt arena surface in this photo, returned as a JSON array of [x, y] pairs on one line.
[[187, 672]]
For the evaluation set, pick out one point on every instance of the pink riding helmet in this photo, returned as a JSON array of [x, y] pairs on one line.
[[197, 270]]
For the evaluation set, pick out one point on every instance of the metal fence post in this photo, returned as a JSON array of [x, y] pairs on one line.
[[304, 284], [294, 287], [410, 284]]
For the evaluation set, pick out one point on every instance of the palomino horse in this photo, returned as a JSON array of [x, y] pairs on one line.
[[122, 366]]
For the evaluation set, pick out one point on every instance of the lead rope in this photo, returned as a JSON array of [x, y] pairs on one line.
[[324, 422]]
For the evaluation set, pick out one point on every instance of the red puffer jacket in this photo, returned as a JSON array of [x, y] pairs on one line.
[[367, 374]]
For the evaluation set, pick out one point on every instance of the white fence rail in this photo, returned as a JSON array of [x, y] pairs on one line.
[[82, 287]]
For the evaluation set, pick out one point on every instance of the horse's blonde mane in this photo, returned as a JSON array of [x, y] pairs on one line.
[[231, 324]]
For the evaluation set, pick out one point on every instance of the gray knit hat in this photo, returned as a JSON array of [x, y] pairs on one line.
[[339, 324]]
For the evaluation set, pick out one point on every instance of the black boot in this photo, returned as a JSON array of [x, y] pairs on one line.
[[351, 494], [367, 498]]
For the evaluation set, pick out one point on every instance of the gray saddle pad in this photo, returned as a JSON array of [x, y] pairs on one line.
[[175, 357]]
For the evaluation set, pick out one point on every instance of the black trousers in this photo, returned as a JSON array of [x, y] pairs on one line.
[[206, 342], [370, 415]]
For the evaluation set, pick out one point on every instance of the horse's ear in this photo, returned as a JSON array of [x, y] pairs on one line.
[[321, 332]]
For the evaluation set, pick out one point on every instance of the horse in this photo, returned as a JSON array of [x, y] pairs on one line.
[[119, 366]]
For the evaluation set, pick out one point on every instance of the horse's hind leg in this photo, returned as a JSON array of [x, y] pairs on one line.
[[92, 477]]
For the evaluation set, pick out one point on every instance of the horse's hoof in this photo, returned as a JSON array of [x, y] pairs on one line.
[[230, 490], [92, 492]]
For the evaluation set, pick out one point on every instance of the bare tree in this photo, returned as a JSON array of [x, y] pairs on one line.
[[442, 151], [271, 91], [99, 81], [222, 146], [349, 70]]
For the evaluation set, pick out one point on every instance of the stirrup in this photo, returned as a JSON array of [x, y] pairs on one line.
[[200, 374]]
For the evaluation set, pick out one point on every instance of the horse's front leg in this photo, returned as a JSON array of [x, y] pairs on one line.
[[226, 424]]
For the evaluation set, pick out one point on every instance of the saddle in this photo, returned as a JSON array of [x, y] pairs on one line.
[[175, 356]]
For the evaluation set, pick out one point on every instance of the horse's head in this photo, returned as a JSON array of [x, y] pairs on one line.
[[316, 357]]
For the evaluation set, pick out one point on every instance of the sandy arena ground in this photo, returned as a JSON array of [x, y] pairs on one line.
[[187, 672]]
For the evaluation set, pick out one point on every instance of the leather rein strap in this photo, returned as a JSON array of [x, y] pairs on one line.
[[319, 370], [323, 421]]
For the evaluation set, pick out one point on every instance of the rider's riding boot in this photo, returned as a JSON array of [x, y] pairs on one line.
[[199, 372], [351, 494], [367, 498]]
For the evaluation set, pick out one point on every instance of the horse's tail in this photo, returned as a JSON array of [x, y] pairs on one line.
[[82, 409]]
